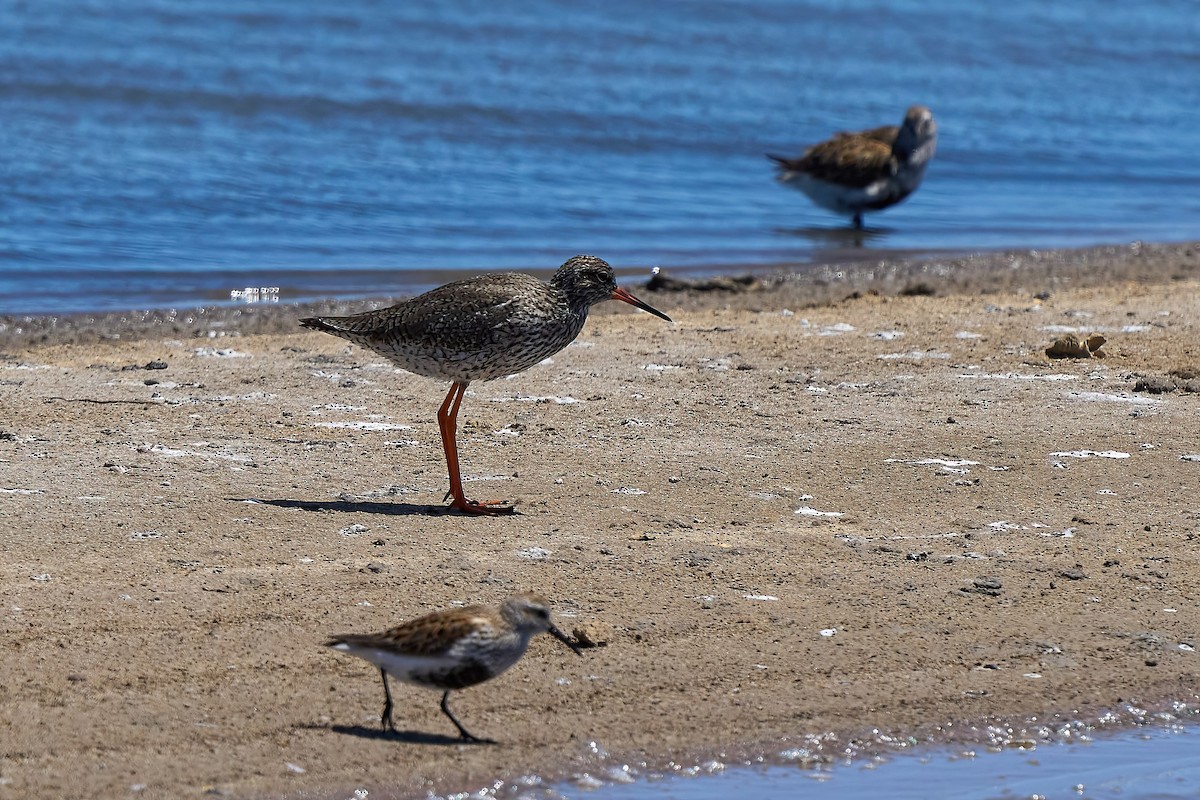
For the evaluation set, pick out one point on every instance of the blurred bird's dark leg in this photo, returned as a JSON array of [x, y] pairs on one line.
[[467, 736], [386, 719], [448, 424], [858, 221]]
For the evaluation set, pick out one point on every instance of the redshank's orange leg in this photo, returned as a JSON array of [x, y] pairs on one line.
[[447, 424]]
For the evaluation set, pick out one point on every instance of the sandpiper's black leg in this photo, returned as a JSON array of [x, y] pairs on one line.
[[858, 221], [386, 719], [467, 736]]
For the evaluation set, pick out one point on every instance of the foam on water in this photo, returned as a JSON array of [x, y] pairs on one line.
[[1130, 753], [1159, 764]]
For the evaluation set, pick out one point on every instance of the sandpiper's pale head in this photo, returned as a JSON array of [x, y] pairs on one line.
[[529, 615]]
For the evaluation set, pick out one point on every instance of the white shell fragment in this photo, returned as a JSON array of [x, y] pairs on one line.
[[1090, 454], [808, 511]]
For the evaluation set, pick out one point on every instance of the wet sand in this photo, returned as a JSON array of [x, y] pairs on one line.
[[803, 507]]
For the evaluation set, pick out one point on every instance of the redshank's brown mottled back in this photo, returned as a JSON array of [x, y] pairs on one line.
[[479, 329]]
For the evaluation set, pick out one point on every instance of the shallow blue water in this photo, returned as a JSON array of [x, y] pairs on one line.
[[1154, 764], [163, 153]]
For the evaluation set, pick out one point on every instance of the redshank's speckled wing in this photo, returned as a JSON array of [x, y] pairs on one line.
[[465, 315]]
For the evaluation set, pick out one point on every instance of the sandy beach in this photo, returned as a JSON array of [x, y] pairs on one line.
[[861, 498]]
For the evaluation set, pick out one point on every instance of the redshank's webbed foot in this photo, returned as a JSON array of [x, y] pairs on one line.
[[490, 508]]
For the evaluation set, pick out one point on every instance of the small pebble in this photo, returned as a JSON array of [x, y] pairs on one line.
[[986, 585]]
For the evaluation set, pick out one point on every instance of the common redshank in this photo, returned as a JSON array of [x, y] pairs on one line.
[[479, 329], [453, 649], [867, 170]]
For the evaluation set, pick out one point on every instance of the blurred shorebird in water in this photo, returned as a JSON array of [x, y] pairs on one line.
[[869, 170]]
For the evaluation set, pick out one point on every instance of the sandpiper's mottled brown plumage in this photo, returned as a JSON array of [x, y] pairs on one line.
[[866, 170], [479, 329], [453, 649]]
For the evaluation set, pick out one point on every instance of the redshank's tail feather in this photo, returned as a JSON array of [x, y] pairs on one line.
[[357, 329], [326, 324]]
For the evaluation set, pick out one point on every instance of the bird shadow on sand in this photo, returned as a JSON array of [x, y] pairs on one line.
[[354, 506], [379, 734]]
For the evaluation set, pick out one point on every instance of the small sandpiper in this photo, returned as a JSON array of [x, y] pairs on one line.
[[867, 170], [479, 329], [454, 649]]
